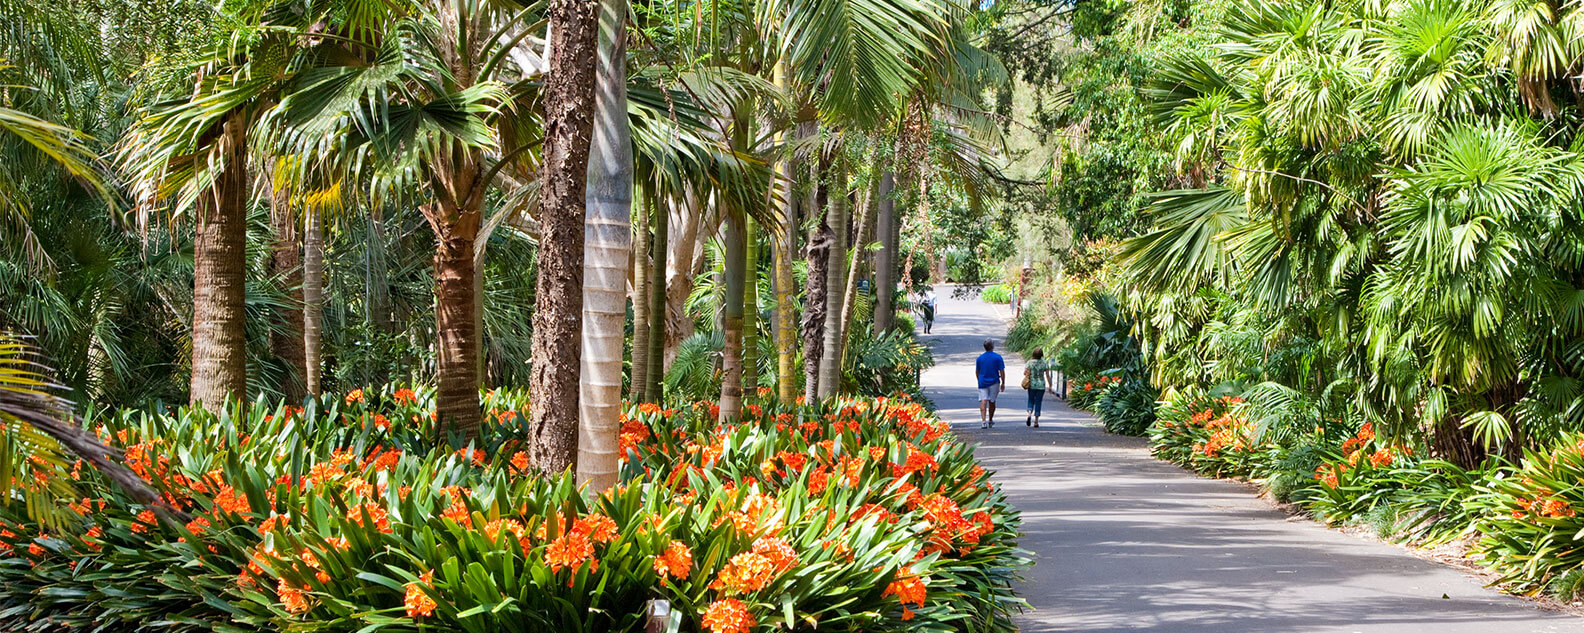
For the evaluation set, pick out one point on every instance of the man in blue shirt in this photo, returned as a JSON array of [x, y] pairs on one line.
[[992, 381]]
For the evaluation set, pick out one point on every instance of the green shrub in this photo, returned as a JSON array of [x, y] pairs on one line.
[[998, 293], [1127, 407], [1529, 521]]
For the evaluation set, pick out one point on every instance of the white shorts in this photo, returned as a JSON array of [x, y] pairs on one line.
[[988, 394]]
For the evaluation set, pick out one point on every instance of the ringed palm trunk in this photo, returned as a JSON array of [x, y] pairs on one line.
[[654, 389], [885, 258], [835, 282], [750, 326], [732, 326], [558, 309], [814, 305], [313, 299], [608, 242], [219, 340], [286, 265], [643, 280], [456, 339]]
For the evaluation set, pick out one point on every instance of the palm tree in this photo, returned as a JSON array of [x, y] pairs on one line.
[[609, 204], [569, 105]]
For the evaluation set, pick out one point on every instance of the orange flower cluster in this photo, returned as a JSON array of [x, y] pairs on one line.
[[354, 396], [676, 562], [418, 603], [294, 599], [405, 396], [908, 589], [1327, 474], [728, 615], [375, 513]]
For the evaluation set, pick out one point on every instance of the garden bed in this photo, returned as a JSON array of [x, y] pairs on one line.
[[860, 515]]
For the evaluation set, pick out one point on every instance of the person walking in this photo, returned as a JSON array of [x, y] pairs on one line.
[[927, 306], [1036, 376], [991, 370]]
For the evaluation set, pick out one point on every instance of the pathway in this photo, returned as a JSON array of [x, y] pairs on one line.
[[1128, 543]]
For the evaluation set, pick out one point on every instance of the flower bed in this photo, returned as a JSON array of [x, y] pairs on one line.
[[1521, 522], [867, 515]]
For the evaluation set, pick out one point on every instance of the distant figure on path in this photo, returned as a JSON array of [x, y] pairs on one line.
[[1036, 375], [992, 381], [927, 305]]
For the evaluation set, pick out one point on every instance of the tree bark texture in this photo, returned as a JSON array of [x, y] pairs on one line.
[[607, 237], [654, 389], [732, 327], [286, 340], [835, 281], [814, 305], [219, 339], [558, 310], [456, 340], [313, 299], [885, 258]]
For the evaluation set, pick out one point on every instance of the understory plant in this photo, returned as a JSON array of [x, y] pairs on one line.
[[357, 513]]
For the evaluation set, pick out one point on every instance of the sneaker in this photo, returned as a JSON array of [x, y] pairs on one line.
[[1028, 420], [1036, 424], [984, 425]]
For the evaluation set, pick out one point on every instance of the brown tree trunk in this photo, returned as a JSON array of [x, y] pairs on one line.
[[219, 337], [558, 308], [456, 341], [286, 340], [732, 326], [814, 303], [313, 299]]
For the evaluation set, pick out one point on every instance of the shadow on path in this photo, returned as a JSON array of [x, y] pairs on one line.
[[1124, 542]]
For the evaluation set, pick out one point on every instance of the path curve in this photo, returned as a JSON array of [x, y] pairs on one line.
[[1127, 543]]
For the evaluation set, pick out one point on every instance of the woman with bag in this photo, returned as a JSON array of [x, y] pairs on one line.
[[1036, 374]]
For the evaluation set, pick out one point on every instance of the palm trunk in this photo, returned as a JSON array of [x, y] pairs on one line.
[[456, 340], [835, 282], [785, 331], [654, 388], [313, 299], [683, 268], [608, 237], [750, 325], [820, 244], [864, 226], [732, 327], [219, 338], [558, 311], [885, 258], [643, 281], [286, 267]]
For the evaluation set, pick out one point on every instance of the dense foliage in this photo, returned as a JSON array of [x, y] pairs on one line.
[[858, 515]]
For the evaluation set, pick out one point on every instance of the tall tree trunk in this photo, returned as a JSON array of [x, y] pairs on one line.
[[821, 242], [219, 338], [750, 324], [643, 281], [558, 310], [732, 327], [783, 242], [654, 388], [480, 251], [685, 265], [456, 340], [608, 238], [313, 298], [885, 258], [864, 225], [286, 341], [835, 282]]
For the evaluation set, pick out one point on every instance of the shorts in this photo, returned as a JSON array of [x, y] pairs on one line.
[[988, 394]]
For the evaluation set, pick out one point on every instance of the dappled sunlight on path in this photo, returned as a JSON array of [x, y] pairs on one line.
[[1128, 543]]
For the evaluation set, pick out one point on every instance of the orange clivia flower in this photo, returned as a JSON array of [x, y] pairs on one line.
[[375, 512], [355, 395], [908, 590], [569, 551], [293, 598], [418, 603], [746, 573], [145, 521], [778, 551], [676, 562], [728, 616], [404, 396], [597, 527]]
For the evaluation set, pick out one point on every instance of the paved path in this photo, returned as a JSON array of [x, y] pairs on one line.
[[1128, 543]]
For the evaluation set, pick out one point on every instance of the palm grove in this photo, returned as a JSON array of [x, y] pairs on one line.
[[285, 197]]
